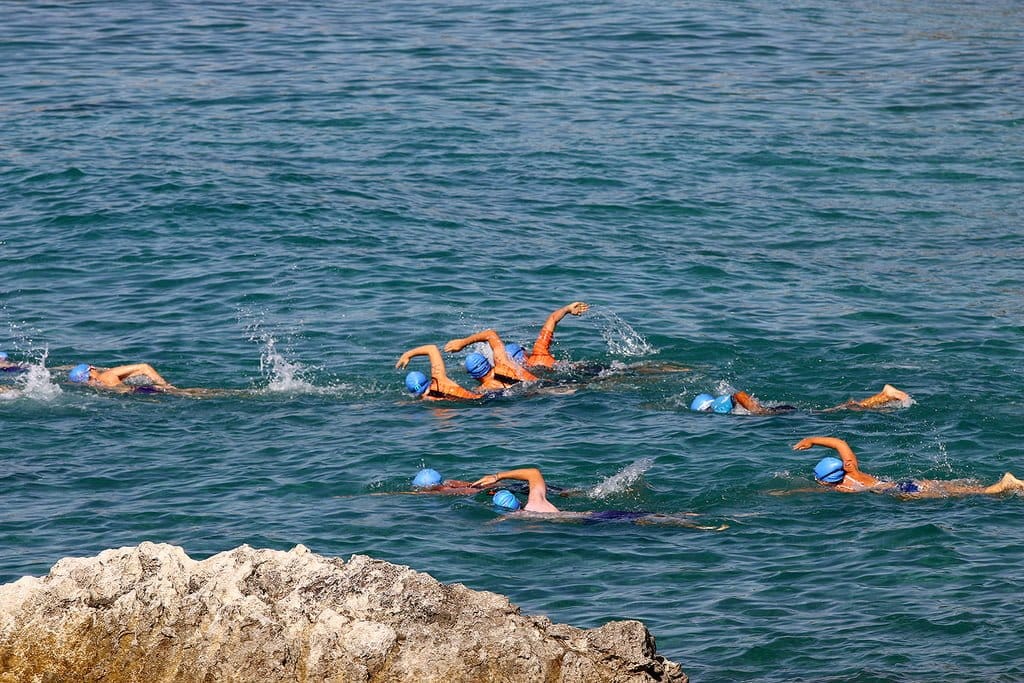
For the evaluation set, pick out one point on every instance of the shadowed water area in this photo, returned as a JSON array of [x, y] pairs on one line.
[[803, 200]]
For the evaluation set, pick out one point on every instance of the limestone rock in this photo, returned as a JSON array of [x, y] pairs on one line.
[[150, 613]]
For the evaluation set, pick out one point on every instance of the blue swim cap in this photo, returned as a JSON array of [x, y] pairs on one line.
[[426, 477], [505, 499], [417, 383], [701, 402], [3, 356], [79, 373], [477, 365], [829, 470], [516, 353], [722, 404]]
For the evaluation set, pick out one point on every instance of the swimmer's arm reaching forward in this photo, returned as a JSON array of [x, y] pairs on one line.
[[538, 500]]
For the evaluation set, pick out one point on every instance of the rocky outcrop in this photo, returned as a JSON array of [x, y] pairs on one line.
[[150, 613]]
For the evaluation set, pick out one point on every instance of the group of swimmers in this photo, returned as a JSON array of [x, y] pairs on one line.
[[509, 365], [841, 474]]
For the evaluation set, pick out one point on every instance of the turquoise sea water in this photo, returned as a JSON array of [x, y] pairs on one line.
[[805, 200]]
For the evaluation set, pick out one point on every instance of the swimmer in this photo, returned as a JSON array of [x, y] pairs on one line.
[[438, 387], [7, 366], [503, 373], [117, 379], [430, 481], [846, 476], [537, 502], [888, 397]]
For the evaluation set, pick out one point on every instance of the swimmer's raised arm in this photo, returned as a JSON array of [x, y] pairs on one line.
[[489, 336], [541, 354], [575, 308], [840, 446], [437, 369], [428, 350]]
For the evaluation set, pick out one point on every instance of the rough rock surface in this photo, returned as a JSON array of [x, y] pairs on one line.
[[150, 613]]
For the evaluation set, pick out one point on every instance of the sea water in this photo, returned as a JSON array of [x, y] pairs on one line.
[[803, 200]]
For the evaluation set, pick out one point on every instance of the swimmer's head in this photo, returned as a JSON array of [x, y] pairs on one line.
[[79, 373], [426, 478], [516, 353], [477, 365], [702, 403], [829, 470], [722, 404], [417, 383], [504, 499]]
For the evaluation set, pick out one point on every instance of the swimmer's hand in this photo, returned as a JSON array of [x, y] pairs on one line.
[[404, 360], [578, 307], [483, 482], [803, 445], [454, 345]]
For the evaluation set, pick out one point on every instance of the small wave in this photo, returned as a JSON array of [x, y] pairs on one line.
[[622, 480], [621, 338]]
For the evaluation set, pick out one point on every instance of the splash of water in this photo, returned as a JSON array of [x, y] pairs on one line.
[[621, 338], [723, 387], [283, 375], [622, 480], [36, 382]]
